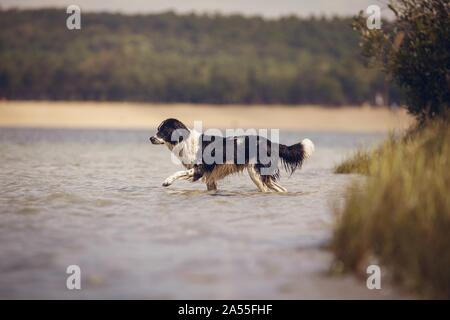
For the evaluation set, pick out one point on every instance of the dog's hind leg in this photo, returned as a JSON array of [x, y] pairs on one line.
[[184, 175], [256, 178], [275, 186], [211, 186]]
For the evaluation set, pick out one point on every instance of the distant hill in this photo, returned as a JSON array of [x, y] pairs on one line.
[[184, 58]]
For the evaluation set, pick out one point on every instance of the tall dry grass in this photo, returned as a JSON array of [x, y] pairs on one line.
[[401, 213]]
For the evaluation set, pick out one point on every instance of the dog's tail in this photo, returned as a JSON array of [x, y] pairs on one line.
[[293, 156]]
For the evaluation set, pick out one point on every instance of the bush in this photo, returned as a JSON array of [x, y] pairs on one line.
[[415, 51]]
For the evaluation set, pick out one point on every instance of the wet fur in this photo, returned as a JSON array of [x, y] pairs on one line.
[[188, 145]]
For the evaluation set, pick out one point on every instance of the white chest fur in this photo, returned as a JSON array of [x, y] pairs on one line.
[[189, 150]]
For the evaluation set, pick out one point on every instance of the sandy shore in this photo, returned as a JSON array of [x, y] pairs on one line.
[[136, 115]]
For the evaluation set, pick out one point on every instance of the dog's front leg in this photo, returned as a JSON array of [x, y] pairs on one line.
[[185, 175]]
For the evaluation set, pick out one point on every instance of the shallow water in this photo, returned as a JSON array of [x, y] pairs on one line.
[[94, 198]]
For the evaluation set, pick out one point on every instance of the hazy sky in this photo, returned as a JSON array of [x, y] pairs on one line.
[[267, 8]]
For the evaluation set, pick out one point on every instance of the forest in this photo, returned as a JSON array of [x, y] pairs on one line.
[[192, 58]]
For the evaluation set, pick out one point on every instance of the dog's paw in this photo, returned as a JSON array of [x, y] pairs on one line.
[[166, 183]]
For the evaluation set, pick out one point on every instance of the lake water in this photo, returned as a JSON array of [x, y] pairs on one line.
[[93, 198]]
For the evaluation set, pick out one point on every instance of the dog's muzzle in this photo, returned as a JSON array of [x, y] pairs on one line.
[[156, 140]]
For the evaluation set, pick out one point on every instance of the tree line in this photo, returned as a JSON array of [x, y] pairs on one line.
[[185, 58]]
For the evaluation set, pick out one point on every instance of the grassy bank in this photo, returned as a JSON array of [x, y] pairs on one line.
[[400, 215]]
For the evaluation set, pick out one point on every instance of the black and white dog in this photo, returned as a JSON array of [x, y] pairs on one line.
[[210, 158]]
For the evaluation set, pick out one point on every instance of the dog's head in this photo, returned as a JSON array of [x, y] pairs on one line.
[[170, 132]]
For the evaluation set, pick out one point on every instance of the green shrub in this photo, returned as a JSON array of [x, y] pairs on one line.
[[414, 50]]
